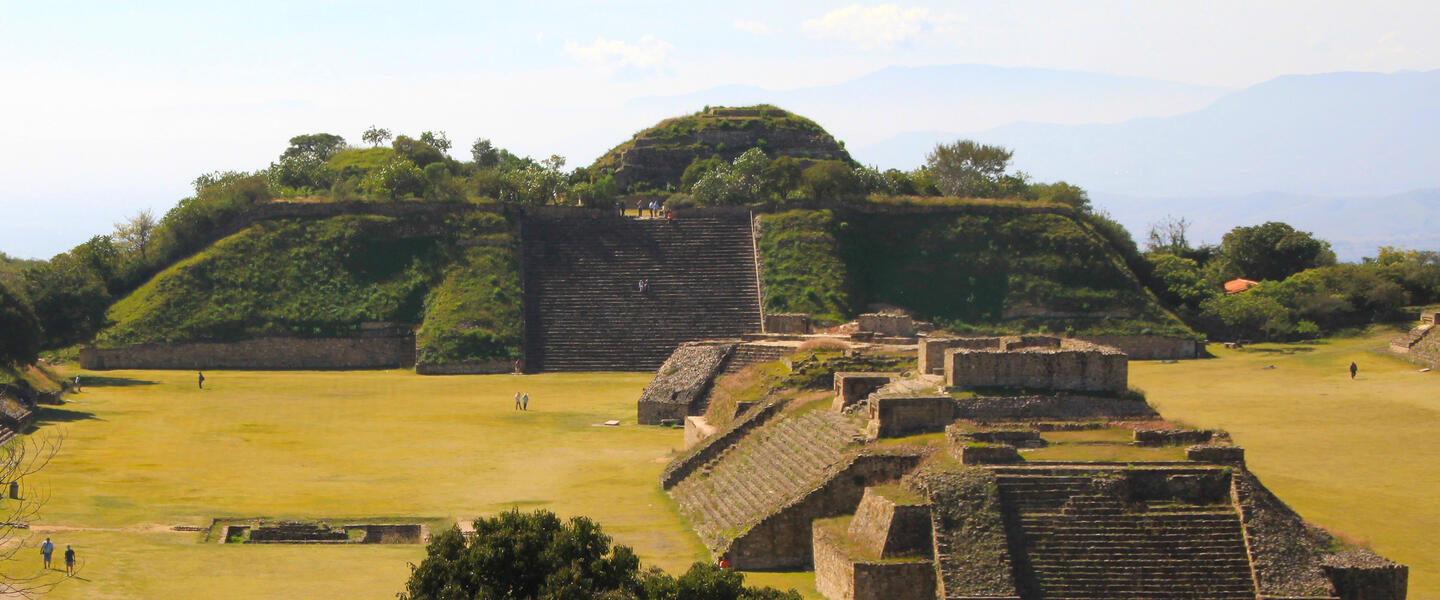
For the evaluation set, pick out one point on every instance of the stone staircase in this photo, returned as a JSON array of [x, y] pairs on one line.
[[583, 308], [1071, 543], [747, 354], [775, 464]]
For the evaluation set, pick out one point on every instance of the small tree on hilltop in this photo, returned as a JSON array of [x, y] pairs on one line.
[[376, 136], [135, 232], [967, 168]]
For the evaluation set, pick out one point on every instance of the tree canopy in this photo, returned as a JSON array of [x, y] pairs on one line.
[[967, 168], [1273, 251], [21, 341], [519, 556]]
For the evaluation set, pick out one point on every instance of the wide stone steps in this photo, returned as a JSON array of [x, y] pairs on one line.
[[584, 309], [1074, 544], [775, 464]]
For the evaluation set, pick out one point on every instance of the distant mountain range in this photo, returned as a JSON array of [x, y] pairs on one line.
[[953, 98], [1334, 134], [1355, 226]]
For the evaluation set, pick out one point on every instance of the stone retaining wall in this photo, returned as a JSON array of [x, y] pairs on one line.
[[279, 353], [467, 368], [1057, 406], [931, 351], [899, 416], [713, 446], [1149, 347], [680, 386], [839, 577]]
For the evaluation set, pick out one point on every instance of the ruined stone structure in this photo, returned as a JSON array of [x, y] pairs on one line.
[[887, 324], [682, 385], [1421, 344], [1038, 362], [853, 387], [584, 310], [378, 346], [787, 323]]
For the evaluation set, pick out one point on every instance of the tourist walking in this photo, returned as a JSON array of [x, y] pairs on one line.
[[77, 383], [46, 549], [69, 561], [1353, 369], [517, 400], [200, 379], [525, 401]]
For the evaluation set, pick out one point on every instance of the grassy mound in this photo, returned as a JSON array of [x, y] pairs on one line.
[[475, 314], [657, 156], [306, 278], [987, 266]]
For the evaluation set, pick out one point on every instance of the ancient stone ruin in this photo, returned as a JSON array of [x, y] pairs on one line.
[[1024, 468], [1421, 344]]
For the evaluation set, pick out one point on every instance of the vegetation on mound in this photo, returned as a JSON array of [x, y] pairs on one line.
[[475, 314], [803, 273], [681, 131], [306, 278], [985, 267], [20, 340]]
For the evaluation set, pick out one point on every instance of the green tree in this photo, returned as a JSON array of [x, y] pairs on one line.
[[1181, 281], [967, 168], [1273, 251], [781, 176], [1062, 193], [319, 145], [522, 556], [830, 181], [397, 180], [69, 299], [135, 232], [1249, 313], [302, 172], [486, 155], [376, 136], [436, 139], [416, 151], [21, 341]]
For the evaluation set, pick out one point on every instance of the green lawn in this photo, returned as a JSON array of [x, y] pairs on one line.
[[146, 450], [1361, 457]]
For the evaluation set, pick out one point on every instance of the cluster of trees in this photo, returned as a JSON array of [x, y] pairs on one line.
[[1302, 290], [536, 555], [963, 168]]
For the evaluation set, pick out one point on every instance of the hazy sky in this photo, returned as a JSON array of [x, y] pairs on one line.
[[110, 107]]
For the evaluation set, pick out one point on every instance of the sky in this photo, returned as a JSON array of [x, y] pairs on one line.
[[113, 107]]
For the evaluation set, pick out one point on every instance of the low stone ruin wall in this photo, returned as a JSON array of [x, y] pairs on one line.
[[899, 416], [1149, 347], [839, 577], [1076, 366], [391, 534], [787, 323], [852, 387], [1057, 406], [679, 387], [931, 351], [1364, 575], [282, 353], [891, 325], [1174, 437]]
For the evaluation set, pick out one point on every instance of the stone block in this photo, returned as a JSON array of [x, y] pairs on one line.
[[1229, 455], [899, 416], [1173, 437], [885, 529], [1020, 342], [838, 576], [852, 387], [1075, 366], [931, 351], [1363, 575], [891, 325], [787, 323], [696, 430]]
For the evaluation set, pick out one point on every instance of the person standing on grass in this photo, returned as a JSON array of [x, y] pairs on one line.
[[69, 561], [525, 401], [1353, 369], [77, 383], [201, 379], [517, 400], [46, 549]]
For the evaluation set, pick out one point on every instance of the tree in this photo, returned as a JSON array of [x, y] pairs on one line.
[[1273, 251], [1181, 281], [967, 168], [1063, 193], [486, 155], [535, 555], [416, 151], [1169, 236], [21, 341], [69, 299], [376, 136], [135, 232], [397, 180], [19, 461], [830, 181], [436, 139], [319, 145]]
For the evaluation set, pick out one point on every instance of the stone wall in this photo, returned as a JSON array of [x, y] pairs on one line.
[[1422, 345], [787, 323], [281, 353], [1149, 347], [885, 529], [853, 387], [783, 540], [970, 454], [1364, 575], [1076, 366], [1050, 406], [1216, 454], [891, 325], [696, 430], [899, 416], [680, 386], [1177, 437], [932, 350]]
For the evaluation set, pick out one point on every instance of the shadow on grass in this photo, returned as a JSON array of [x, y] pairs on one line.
[[107, 381], [49, 414]]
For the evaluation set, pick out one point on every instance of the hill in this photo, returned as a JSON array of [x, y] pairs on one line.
[[990, 266], [657, 157]]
